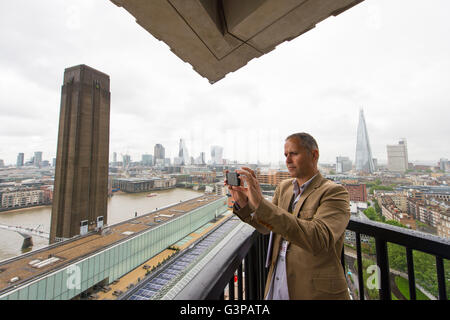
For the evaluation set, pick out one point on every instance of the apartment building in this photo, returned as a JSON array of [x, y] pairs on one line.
[[391, 212], [357, 192], [443, 228], [429, 214], [272, 177], [24, 198]]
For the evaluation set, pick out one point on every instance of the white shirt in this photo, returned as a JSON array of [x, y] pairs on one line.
[[278, 289]]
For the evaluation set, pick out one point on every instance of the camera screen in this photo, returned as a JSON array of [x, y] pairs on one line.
[[233, 179]]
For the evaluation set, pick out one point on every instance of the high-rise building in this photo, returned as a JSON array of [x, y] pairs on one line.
[[375, 164], [216, 155], [183, 153], [114, 158], [159, 153], [20, 158], [2, 163], [443, 164], [126, 160], [45, 163], [177, 161], [147, 159], [364, 159], [81, 173], [37, 158], [200, 159], [397, 157], [343, 164]]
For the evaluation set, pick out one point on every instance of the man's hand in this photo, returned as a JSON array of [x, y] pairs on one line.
[[253, 190], [239, 196]]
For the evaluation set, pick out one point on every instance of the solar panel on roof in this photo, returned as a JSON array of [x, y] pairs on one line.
[[160, 281], [154, 286], [172, 271], [177, 267], [167, 276], [182, 264]]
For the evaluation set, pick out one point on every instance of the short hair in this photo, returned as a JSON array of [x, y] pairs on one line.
[[306, 140]]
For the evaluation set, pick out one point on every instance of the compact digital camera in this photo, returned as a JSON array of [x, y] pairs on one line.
[[233, 179]]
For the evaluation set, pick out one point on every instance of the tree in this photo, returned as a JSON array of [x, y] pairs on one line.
[[371, 214], [377, 207]]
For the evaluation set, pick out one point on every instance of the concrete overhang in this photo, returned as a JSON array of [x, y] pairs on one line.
[[220, 36]]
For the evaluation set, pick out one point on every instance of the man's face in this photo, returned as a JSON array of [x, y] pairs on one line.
[[300, 162]]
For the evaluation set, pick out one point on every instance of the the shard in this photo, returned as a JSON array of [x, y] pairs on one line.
[[183, 153], [364, 160]]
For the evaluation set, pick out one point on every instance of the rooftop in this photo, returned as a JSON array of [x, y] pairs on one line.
[[59, 255]]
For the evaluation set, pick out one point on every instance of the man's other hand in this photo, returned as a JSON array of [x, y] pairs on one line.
[[238, 193], [253, 190]]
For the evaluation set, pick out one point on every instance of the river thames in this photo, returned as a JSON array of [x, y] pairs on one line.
[[121, 207]]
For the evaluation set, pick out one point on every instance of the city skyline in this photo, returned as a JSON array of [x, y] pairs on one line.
[[370, 57], [143, 157]]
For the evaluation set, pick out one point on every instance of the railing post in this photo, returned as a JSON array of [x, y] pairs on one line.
[[260, 252], [411, 276], [247, 277], [240, 286], [360, 266], [441, 278], [383, 264], [231, 288], [252, 267]]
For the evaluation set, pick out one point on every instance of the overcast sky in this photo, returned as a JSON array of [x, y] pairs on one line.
[[389, 57]]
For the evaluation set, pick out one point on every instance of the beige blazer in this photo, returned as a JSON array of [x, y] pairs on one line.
[[315, 231]]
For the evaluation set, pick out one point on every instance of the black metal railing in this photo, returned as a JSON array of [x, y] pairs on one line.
[[243, 270], [410, 240], [249, 277]]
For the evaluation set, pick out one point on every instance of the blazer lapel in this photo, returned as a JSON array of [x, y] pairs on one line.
[[315, 183], [286, 197]]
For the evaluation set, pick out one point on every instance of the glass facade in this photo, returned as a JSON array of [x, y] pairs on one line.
[[115, 261], [364, 160]]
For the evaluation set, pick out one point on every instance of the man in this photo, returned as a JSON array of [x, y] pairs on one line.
[[307, 220]]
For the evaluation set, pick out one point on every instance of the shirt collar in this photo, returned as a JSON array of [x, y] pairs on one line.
[[299, 189]]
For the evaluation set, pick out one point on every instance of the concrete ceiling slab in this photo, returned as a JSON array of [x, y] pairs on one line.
[[220, 36]]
